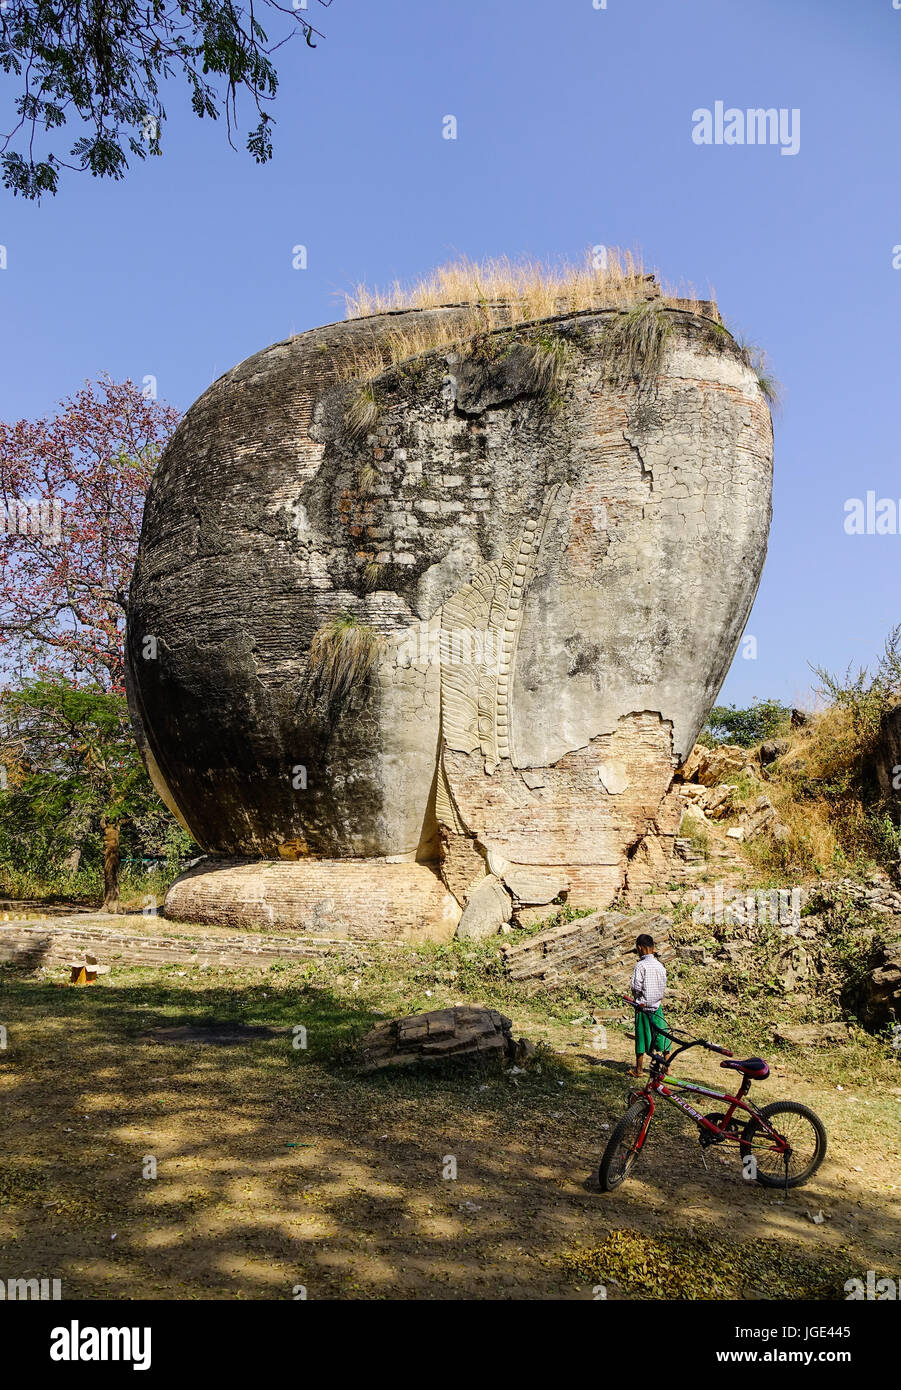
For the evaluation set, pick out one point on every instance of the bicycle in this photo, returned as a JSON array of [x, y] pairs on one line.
[[784, 1156]]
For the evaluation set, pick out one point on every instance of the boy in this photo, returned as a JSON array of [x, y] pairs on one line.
[[648, 988]]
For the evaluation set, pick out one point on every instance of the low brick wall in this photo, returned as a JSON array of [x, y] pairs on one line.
[[28, 943]]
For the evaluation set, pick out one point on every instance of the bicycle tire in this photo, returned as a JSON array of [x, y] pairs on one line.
[[620, 1153], [778, 1177]]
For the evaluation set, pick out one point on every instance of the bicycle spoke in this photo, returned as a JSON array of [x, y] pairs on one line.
[[801, 1138]]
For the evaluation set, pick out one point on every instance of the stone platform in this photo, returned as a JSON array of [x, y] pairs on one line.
[[362, 899]]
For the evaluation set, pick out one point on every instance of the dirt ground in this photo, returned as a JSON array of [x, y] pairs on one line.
[[280, 1172]]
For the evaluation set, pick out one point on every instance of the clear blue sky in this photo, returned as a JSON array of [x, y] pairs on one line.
[[574, 128]]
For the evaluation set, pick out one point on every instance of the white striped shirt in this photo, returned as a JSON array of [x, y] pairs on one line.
[[649, 983]]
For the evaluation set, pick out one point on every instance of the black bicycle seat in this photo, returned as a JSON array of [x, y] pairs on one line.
[[755, 1067]]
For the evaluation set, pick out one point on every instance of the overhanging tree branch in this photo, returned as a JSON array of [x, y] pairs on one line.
[[102, 63]]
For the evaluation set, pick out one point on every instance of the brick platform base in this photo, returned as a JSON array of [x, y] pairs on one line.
[[357, 899]]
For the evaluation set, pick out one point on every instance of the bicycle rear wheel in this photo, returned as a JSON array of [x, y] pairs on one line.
[[621, 1151], [804, 1132]]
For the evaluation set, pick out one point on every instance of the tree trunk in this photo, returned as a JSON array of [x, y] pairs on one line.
[[110, 868]]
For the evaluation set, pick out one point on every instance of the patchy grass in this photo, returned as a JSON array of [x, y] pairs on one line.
[[85, 888], [373, 575], [692, 829], [367, 478], [362, 412], [550, 361], [401, 348], [635, 342], [506, 293], [824, 789], [755, 358], [342, 657]]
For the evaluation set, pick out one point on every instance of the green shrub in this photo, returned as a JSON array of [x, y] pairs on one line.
[[762, 720]]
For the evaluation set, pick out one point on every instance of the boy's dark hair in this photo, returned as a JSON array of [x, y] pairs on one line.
[[646, 941]]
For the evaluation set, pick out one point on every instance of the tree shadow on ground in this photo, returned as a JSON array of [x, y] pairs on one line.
[[138, 1169]]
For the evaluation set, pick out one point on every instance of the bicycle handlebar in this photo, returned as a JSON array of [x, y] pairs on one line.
[[698, 1042]]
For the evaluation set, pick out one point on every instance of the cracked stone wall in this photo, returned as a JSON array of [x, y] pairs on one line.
[[558, 582]]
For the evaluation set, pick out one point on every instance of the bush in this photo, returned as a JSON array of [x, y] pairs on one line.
[[825, 786], [762, 720], [866, 698]]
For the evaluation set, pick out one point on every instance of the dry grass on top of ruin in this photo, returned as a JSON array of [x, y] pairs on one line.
[[504, 293], [526, 287]]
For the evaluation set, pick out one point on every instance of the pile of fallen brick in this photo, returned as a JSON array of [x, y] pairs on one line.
[[464, 1031], [708, 794]]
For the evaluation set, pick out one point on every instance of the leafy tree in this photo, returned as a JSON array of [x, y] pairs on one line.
[[74, 770], [72, 490], [762, 720], [104, 64]]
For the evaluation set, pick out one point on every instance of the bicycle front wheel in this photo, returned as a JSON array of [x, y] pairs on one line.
[[805, 1134], [623, 1147]]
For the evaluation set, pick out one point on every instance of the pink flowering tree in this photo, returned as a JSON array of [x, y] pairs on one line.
[[72, 490]]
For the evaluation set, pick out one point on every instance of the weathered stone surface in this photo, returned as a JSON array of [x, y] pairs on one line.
[[532, 889], [653, 859], [488, 907], [773, 749], [758, 818], [794, 967], [888, 752], [480, 388], [812, 1034], [686, 850], [693, 817], [461, 862], [531, 916], [602, 945], [614, 777], [443, 1034], [761, 819], [876, 895], [878, 1004], [595, 566], [688, 770], [719, 801]]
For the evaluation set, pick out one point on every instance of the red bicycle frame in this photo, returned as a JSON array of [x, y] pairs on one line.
[[657, 1085]]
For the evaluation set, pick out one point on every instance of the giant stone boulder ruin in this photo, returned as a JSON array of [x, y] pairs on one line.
[[546, 551]]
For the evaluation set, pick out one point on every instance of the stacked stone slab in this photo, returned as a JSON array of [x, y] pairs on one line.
[[556, 586], [463, 1031], [601, 946]]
